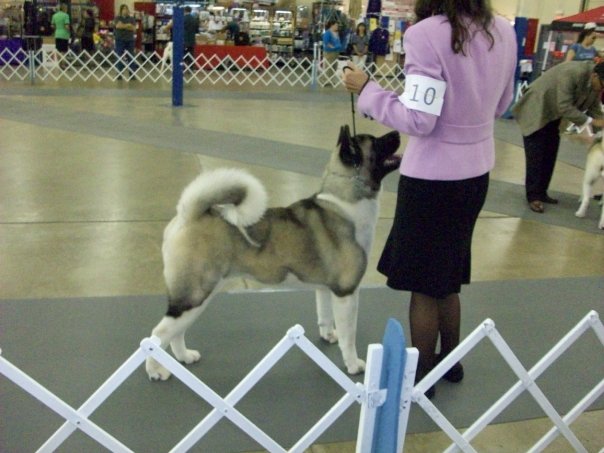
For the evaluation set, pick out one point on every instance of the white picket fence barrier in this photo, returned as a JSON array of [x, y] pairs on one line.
[[372, 395], [46, 64], [369, 395], [526, 382]]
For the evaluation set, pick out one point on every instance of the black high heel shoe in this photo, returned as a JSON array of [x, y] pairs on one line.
[[455, 374]]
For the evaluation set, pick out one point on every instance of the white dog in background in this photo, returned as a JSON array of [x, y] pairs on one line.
[[167, 55], [594, 171]]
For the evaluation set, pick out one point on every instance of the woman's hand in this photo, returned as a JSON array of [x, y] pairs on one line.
[[354, 78]]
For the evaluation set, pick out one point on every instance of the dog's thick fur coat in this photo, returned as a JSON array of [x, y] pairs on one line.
[[223, 229], [594, 170]]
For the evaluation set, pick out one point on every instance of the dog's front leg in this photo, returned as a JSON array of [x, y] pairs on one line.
[[585, 197], [325, 316], [345, 310]]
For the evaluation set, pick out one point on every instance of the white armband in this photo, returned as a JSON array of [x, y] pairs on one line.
[[424, 94]]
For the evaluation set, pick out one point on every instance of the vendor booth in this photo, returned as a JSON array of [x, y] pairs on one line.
[[561, 33]]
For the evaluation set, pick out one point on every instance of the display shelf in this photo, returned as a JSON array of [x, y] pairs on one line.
[[260, 27], [282, 34], [11, 19]]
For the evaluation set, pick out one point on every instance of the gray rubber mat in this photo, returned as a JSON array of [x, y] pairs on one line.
[[72, 346]]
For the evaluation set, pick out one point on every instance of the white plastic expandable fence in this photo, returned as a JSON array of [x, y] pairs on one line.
[[526, 382], [370, 395], [47, 64], [376, 395]]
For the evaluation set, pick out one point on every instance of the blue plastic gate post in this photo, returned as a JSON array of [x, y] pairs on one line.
[[385, 435], [178, 47], [521, 29]]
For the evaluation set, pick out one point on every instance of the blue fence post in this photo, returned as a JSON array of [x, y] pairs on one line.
[[385, 435], [521, 28], [178, 47]]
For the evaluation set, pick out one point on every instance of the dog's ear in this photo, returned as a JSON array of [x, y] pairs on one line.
[[344, 134], [349, 154], [390, 142]]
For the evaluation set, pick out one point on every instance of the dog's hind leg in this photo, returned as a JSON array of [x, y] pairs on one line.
[[171, 330], [325, 316], [345, 311], [592, 173], [585, 196]]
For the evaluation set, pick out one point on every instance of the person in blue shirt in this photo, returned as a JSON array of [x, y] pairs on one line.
[[584, 48], [332, 46]]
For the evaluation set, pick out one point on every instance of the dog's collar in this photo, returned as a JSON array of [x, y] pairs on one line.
[[357, 179]]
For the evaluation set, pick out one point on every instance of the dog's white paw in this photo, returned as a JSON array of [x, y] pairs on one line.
[[580, 213], [329, 335], [356, 367], [190, 356], [155, 371]]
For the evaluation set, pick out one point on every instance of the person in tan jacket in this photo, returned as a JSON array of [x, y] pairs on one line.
[[570, 91]]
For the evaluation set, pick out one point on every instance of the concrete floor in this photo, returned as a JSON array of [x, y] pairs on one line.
[[82, 209]]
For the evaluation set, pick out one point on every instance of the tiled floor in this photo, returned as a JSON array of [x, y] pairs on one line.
[[83, 207]]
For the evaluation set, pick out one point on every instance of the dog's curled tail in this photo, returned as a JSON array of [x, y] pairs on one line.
[[239, 197]]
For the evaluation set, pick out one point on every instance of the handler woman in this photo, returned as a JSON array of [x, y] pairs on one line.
[[460, 63]]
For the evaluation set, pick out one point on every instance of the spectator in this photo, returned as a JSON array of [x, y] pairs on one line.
[[570, 91], [360, 42], [125, 28], [61, 24], [584, 48], [88, 31], [332, 46], [191, 27]]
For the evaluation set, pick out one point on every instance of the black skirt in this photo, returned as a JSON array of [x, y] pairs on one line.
[[429, 247]]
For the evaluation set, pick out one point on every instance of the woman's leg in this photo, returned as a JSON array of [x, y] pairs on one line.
[[424, 321], [330, 67], [132, 67], [119, 51], [362, 60], [449, 321], [430, 317]]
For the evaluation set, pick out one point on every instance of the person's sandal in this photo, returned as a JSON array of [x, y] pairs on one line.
[[536, 206]]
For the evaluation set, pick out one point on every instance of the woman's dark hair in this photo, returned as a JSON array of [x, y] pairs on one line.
[[329, 23], [584, 34], [364, 28], [122, 8], [457, 12]]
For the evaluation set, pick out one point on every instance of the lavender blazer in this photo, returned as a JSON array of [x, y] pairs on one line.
[[459, 143]]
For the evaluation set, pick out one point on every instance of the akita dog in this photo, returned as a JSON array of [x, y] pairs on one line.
[[594, 170], [223, 229]]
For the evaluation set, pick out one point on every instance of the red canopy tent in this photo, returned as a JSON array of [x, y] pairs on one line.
[[577, 22]]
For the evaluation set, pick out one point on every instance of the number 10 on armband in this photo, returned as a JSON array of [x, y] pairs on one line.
[[424, 94]]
